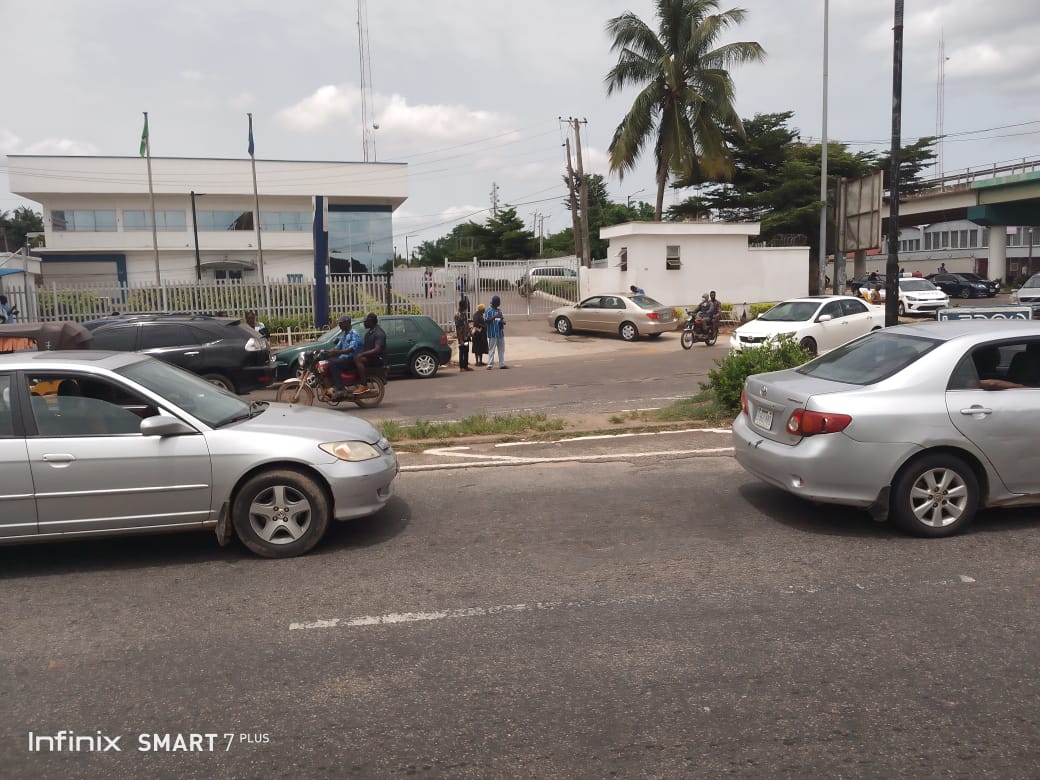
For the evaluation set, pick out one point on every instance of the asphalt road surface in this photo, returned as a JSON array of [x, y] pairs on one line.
[[629, 607]]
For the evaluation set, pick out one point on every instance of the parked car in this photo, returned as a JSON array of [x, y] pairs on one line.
[[221, 350], [819, 323], [919, 296], [415, 344], [110, 443], [900, 422], [1029, 293], [529, 281], [625, 314], [964, 285], [865, 283]]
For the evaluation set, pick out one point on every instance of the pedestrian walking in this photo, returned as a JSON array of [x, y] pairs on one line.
[[462, 333], [479, 343], [427, 278], [496, 333]]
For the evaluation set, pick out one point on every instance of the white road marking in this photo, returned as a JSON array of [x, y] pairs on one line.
[[509, 460], [396, 618]]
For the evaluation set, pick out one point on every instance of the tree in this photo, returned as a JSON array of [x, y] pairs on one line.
[[686, 101], [15, 227], [502, 236]]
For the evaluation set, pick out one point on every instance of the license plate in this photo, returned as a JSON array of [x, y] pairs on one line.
[[763, 418]]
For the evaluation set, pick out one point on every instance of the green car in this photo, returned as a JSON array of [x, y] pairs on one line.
[[414, 344]]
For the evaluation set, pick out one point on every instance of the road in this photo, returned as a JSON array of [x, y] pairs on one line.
[[631, 607]]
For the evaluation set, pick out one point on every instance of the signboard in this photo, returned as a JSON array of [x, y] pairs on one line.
[[987, 313], [859, 213]]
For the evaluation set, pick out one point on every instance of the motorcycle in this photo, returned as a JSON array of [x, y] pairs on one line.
[[314, 380], [692, 332]]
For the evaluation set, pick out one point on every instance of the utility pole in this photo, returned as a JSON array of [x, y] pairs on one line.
[[494, 199], [586, 257], [892, 265], [579, 251]]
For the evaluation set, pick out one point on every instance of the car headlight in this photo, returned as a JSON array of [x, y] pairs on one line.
[[353, 451]]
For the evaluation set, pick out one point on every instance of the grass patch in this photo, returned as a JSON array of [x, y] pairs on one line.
[[475, 425], [700, 408]]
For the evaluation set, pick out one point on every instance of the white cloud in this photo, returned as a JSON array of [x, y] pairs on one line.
[[325, 105], [438, 122], [189, 74], [63, 146], [8, 141], [242, 100]]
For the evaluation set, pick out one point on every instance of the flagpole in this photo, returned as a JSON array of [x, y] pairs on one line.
[[151, 193], [256, 200]]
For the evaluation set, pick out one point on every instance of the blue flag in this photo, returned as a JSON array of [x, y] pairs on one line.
[[250, 135]]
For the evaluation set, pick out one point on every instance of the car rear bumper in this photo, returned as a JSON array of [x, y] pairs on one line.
[[831, 468]]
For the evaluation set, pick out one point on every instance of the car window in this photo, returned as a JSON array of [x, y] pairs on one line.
[[158, 335], [870, 359], [403, 328], [851, 306], [185, 390], [833, 308], [6, 420], [77, 405], [121, 338], [596, 302]]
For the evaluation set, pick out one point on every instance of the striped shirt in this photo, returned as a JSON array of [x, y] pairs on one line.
[[494, 323]]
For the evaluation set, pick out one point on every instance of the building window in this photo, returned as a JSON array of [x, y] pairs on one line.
[[225, 220], [227, 275], [984, 241], [623, 257], [294, 277], [83, 221], [973, 238], [671, 258], [164, 221], [360, 239], [944, 239], [964, 239], [285, 221]]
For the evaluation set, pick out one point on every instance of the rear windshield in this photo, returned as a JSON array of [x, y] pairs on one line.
[[869, 359], [645, 302], [791, 311]]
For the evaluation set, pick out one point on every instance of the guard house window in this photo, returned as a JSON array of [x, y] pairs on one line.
[[623, 256], [671, 258], [225, 220], [83, 221]]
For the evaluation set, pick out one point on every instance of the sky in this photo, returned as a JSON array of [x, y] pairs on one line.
[[470, 93]]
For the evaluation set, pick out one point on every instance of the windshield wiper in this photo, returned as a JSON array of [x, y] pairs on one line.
[[255, 408]]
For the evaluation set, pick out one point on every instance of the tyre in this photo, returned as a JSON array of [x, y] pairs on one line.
[[220, 381], [965, 293], [934, 496], [280, 513], [294, 391], [902, 309], [687, 339], [809, 345], [710, 341], [628, 331], [563, 326], [423, 364], [374, 383]]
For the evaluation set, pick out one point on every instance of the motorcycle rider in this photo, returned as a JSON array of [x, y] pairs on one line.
[[342, 358], [372, 350], [715, 314], [702, 313]]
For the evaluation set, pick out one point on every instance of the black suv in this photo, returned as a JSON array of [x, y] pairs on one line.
[[222, 350]]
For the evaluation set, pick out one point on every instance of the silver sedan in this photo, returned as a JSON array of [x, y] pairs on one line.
[[97, 444], [926, 423], [629, 315]]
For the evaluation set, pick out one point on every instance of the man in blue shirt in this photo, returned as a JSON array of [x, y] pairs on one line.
[[496, 333], [342, 357]]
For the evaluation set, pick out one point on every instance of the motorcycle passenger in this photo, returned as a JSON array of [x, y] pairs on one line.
[[372, 350], [715, 314], [342, 357]]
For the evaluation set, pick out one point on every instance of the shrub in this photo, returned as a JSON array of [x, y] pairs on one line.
[[726, 381], [559, 288], [759, 308]]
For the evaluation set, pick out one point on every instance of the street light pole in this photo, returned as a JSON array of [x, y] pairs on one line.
[[407, 256], [628, 199], [195, 230]]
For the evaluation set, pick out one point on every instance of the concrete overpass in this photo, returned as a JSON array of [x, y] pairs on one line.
[[993, 198]]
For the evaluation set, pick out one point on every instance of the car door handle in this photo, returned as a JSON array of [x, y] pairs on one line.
[[59, 457], [191, 354], [973, 410]]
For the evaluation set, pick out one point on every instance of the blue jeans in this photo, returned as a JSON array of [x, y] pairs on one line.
[[499, 343]]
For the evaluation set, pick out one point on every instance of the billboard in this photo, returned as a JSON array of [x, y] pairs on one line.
[[859, 213]]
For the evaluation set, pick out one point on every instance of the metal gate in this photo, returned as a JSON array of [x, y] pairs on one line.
[[523, 293]]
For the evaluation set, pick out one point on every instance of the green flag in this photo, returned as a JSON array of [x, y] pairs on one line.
[[144, 136]]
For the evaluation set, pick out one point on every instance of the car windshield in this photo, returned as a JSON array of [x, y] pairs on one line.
[[196, 396], [916, 285], [869, 359], [971, 277], [645, 302], [791, 311], [1033, 281]]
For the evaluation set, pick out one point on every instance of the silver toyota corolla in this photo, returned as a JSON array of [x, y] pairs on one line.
[[925, 422], [101, 443]]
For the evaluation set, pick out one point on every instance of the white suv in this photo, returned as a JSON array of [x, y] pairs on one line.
[[551, 273]]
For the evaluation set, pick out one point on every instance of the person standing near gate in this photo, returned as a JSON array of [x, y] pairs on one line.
[[462, 333], [496, 333], [427, 278], [479, 345]]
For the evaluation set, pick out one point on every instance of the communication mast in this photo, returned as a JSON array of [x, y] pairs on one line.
[[940, 104], [368, 140]]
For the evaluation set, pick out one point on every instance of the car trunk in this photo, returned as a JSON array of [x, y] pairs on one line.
[[772, 398]]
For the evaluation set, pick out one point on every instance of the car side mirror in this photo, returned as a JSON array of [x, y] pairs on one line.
[[165, 425], [824, 318]]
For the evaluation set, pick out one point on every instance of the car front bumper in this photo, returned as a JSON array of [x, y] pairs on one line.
[[361, 489], [830, 468], [924, 307]]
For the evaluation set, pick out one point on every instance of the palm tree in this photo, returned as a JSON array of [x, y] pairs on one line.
[[687, 91]]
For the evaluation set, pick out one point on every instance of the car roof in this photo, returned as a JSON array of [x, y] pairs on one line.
[[822, 298], [69, 359], [949, 330]]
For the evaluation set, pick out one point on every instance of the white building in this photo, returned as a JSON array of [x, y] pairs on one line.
[[676, 262], [97, 215]]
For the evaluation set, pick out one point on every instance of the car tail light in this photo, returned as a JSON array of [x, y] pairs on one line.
[[653, 315], [444, 340], [806, 423], [743, 400]]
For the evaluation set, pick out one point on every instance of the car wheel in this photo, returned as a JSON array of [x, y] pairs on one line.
[[901, 309], [279, 514], [935, 496], [687, 339], [563, 326], [965, 293], [220, 381], [628, 331], [809, 345], [423, 364], [295, 392]]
